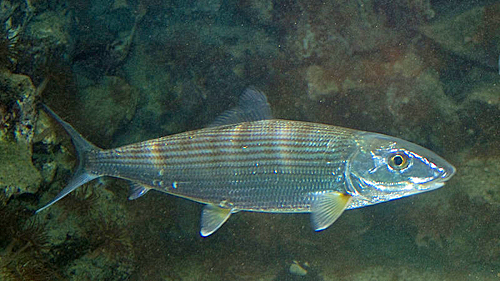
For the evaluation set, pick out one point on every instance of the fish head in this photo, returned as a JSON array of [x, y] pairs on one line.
[[385, 168]]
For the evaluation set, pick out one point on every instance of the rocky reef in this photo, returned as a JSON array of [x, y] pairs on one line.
[[125, 71]]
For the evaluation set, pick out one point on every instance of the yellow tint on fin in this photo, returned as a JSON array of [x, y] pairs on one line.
[[327, 208], [212, 218]]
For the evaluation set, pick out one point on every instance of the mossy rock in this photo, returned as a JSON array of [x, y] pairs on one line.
[[17, 173]]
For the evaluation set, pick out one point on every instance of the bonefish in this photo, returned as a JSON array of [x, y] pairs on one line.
[[248, 161]]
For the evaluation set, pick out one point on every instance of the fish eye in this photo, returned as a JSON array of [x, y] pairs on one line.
[[398, 161]]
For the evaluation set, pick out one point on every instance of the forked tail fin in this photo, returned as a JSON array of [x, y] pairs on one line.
[[83, 147]]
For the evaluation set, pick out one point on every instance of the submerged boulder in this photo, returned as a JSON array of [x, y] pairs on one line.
[[473, 34], [17, 121]]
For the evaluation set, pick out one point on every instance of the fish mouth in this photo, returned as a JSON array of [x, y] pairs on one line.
[[447, 173], [440, 180]]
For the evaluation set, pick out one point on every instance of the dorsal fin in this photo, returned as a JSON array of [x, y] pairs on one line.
[[252, 106]]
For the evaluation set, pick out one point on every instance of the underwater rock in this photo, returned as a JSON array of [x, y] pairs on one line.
[[405, 14], [46, 38], [119, 4], [258, 12], [358, 73], [419, 108], [207, 6], [112, 104], [480, 112], [480, 180], [486, 94], [299, 271], [9, 34], [50, 28], [461, 224], [386, 270], [318, 85], [334, 31], [17, 173], [17, 107], [17, 121], [471, 34], [119, 49], [392, 91]]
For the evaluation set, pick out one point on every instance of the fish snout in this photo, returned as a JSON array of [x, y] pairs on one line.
[[447, 173]]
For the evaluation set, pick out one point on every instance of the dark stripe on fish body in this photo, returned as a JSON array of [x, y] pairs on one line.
[[179, 145], [217, 154], [266, 146], [147, 150], [251, 131]]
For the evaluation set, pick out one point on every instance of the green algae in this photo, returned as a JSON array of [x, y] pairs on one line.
[[17, 173]]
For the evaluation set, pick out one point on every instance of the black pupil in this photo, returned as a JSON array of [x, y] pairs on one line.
[[398, 160]]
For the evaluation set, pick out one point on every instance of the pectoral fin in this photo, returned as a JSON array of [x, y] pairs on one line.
[[327, 208], [212, 218]]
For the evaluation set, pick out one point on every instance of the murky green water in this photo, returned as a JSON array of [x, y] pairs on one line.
[[126, 71]]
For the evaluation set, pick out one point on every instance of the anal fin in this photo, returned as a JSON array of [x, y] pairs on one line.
[[212, 218], [327, 208], [136, 191]]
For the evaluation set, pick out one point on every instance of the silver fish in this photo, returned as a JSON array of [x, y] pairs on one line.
[[248, 162]]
